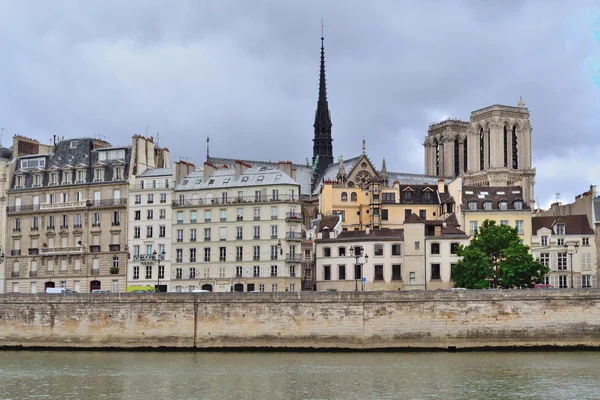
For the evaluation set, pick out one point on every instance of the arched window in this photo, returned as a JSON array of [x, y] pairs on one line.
[[350, 184], [481, 149], [505, 148], [456, 158], [465, 155], [344, 196], [515, 149], [437, 157], [353, 196]]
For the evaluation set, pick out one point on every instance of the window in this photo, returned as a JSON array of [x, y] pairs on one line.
[[545, 259], [222, 254], [116, 218], [487, 205], [412, 278], [560, 229], [427, 197], [560, 242], [240, 214], [137, 215], [274, 252], [162, 231], [326, 272], [207, 234], [222, 233], [378, 250], [273, 270], [562, 281], [150, 198], [454, 248], [344, 196], [341, 272], [407, 213], [66, 177], [435, 271], [503, 222], [35, 224], [585, 241], [223, 215], [256, 253], [257, 232], [326, 252], [136, 272], [435, 249], [274, 232], [408, 196], [357, 271], [150, 214], [379, 272], [136, 232], [163, 198], [207, 254], [257, 213], [161, 271], [192, 255], [396, 249], [149, 272], [256, 272], [544, 240], [562, 261], [274, 287], [519, 226], [417, 245], [149, 231], [238, 253], [180, 235], [518, 205], [473, 227], [193, 235], [353, 196], [503, 205], [341, 252], [384, 215], [472, 205], [396, 272]]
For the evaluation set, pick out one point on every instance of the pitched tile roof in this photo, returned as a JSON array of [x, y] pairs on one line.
[[574, 224]]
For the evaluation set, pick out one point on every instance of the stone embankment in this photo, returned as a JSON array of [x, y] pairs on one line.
[[331, 320]]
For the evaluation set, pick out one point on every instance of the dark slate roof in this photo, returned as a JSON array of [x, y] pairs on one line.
[[414, 219], [418, 194], [574, 224], [482, 194], [450, 225], [328, 221], [374, 234]]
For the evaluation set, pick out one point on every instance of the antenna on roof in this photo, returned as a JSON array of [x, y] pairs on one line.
[[557, 197], [157, 138], [207, 148], [147, 126], [1, 132]]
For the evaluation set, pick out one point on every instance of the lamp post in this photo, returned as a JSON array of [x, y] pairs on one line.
[[357, 252], [570, 253], [158, 258]]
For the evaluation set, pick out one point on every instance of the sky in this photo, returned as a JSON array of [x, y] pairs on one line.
[[245, 73]]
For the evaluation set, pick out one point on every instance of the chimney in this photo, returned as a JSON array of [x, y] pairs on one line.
[[208, 170], [286, 166], [441, 185], [240, 167], [593, 190]]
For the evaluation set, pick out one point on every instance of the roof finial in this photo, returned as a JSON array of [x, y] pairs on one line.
[[322, 36], [521, 103], [364, 147]]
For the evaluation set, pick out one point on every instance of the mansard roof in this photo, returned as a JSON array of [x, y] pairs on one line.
[[574, 224], [495, 195]]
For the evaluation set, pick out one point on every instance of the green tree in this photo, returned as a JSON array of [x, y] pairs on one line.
[[496, 256]]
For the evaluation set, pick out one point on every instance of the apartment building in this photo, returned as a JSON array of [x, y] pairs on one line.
[[67, 216], [237, 229], [5, 174], [419, 256], [566, 244], [150, 226]]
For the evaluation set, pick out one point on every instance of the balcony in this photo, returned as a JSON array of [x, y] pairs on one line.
[[183, 274], [293, 217], [15, 252], [94, 272], [33, 274], [150, 186], [223, 219], [293, 257], [16, 229], [116, 223], [273, 257], [64, 227], [95, 249], [237, 200], [114, 247], [294, 236], [33, 251], [62, 206], [222, 259], [14, 274], [256, 237], [114, 270], [257, 217], [35, 229], [255, 258], [239, 238], [238, 258], [240, 218], [77, 226], [207, 238], [108, 203], [49, 251], [207, 219], [50, 227]]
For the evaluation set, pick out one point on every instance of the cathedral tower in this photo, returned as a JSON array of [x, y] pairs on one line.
[[322, 142]]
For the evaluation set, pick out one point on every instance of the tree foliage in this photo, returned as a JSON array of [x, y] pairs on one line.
[[495, 257]]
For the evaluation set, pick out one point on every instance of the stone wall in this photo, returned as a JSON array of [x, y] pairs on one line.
[[353, 320]]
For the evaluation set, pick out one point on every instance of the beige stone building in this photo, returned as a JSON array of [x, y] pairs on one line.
[[419, 256], [67, 213], [5, 175], [237, 229], [493, 149]]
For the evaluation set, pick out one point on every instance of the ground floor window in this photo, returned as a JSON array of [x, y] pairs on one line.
[[562, 281], [586, 281]]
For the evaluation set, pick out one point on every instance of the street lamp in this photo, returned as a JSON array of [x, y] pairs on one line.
[[570, 253], [357, 252], [158, 258]]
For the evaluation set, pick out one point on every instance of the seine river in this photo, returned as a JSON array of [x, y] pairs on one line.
[[173, 375]]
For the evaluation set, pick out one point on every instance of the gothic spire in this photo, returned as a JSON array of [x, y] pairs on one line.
[[322, 142], [384, 173]]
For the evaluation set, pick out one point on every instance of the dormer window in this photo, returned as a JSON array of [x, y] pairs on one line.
[[66, 177], [427, 197], [53, 179], [260, 178], [408, 196], [118, 173], [518, 205], [487, 205], [98, 175], [503, 205], [37, 180], [211, 182], [560, 229], [19, 182], [81, 176], [73, 144], [472, 205]]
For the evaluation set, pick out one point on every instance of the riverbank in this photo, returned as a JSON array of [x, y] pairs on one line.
[[443, 320]]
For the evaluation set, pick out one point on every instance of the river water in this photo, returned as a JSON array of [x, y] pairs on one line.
[[253, 375]]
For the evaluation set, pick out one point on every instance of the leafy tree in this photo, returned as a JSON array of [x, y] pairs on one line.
[[496, 256]]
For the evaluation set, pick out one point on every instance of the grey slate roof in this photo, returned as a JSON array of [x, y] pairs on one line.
[[156, 172], [225, 178]]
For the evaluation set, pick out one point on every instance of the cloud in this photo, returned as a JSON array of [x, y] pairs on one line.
[[246, 74]]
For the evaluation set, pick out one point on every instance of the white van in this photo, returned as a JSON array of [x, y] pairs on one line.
[[55, 290], [100, 291]]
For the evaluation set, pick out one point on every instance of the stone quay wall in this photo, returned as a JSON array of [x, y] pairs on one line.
[[310, 320]]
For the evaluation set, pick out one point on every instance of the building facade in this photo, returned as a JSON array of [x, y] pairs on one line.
[[492, 149], [237, 229], [566, 244]]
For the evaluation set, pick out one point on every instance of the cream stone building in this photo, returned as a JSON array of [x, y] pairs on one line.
[[492, 149], [150, 225], [419, 256], [237, 229], [566, 244], [5, 176], [67, 213]]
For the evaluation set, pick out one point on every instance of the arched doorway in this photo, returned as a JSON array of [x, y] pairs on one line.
[[48, 284], [207, 287], [238, 287], [95, 285]]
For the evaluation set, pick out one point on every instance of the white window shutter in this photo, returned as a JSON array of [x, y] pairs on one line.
[[594, 282], [553, 261]]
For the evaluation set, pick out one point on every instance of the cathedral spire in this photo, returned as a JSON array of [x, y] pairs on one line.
[[384, 173], [322, 142]]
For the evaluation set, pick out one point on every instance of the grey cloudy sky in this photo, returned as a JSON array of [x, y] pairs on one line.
[[246, 73]]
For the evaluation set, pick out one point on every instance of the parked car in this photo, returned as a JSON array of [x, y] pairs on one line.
[[59, 290], [458, 288], [100, 291], [542, 286]]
